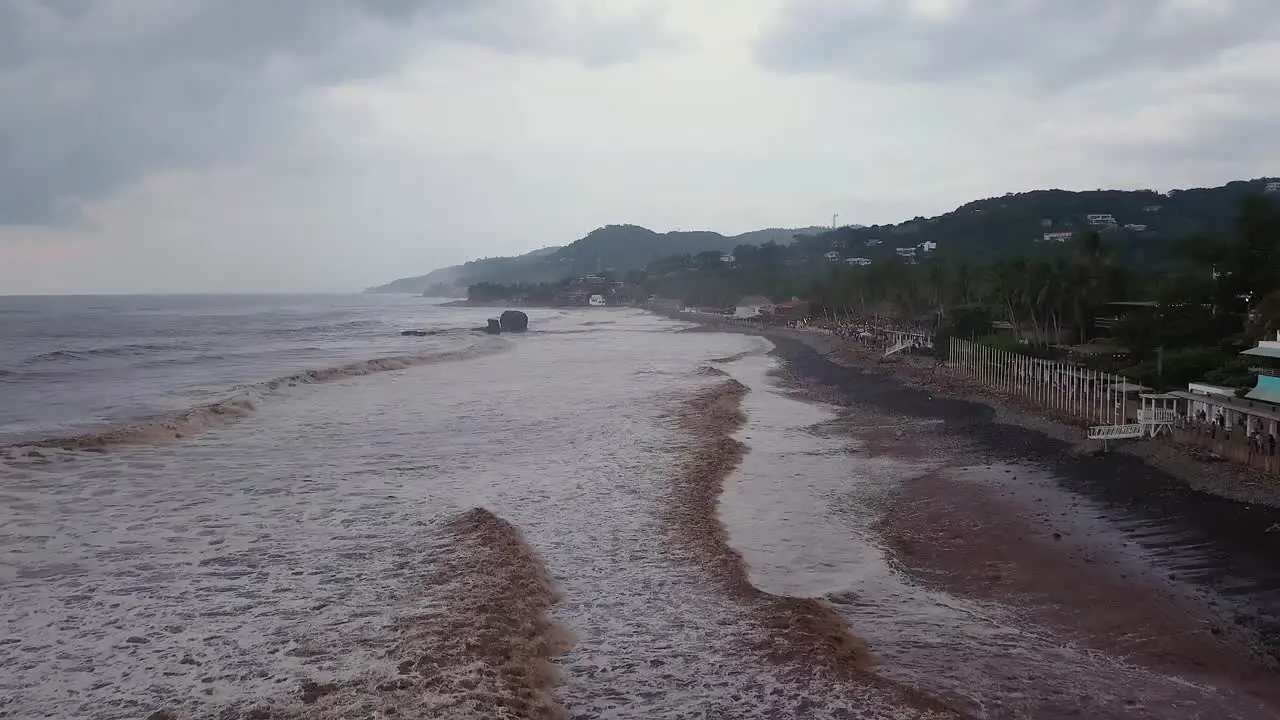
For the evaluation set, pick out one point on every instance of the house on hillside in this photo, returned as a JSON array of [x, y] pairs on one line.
[[727, 258], [1136, 227], [906, 253], [927, 246], [1056, 237], [859, 261], [1101, 220], [1272, 187], [832, 255], [752, 306], [873, 242]]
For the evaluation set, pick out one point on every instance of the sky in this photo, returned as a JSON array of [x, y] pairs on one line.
[[329, 145]]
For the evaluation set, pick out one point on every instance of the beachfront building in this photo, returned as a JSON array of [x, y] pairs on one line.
[[1268, 355], [753, 306]]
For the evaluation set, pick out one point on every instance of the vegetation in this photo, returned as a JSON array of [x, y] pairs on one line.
[[613, 248]]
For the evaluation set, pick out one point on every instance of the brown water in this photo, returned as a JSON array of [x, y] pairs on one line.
[[326, 555]]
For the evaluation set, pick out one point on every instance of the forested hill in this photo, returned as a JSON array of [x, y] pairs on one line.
[[613, 247], [1015, 225]]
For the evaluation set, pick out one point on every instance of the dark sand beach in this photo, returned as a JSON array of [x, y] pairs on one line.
[[1107, 550]]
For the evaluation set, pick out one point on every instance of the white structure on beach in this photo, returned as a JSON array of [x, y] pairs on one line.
[[752, 306]]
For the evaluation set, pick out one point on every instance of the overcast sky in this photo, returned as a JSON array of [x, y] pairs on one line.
[[327, 145]]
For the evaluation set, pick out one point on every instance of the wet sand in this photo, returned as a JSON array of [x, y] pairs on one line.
[[1106, 552], [803, 636]]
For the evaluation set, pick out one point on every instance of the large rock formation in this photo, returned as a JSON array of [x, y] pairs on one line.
[[513, 321]]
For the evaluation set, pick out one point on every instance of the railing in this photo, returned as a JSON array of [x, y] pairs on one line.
[[1157, 416], [1115, 432]]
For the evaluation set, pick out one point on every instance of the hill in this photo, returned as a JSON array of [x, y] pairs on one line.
[[613, 247], [1015, 225]]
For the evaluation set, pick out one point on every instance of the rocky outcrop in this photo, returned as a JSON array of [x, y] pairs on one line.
[[513, 321], [493, 328]]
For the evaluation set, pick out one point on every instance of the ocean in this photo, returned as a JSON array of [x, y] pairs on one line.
[[282, 507]]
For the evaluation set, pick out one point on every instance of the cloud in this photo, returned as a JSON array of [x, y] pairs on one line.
[[98, 95], [1047, 45]]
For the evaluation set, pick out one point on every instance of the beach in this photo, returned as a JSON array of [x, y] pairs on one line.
[[612, 516]]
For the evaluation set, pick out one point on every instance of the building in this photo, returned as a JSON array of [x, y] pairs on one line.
[[832, 255], [927, 246], [1058, 237], [1136, 227], [1101, 220], [753, 306], [1268, 387], [727, 258], [858, 261], [905, 252], [1272, 187], [873, 242]]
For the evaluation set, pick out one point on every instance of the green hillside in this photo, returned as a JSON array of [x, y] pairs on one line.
[[1014, 225], [617, 248]]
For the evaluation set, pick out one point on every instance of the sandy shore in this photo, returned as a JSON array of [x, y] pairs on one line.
[[1148, 555]]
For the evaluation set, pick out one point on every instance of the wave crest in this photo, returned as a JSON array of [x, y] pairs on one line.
[[242, 402]]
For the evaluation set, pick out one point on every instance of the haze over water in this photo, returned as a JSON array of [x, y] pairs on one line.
[[208, 558]]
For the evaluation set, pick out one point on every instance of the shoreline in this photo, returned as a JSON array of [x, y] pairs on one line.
[[1163, 564]]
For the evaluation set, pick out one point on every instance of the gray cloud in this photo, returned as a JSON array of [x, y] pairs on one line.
[[1045, 44], [96, 95]]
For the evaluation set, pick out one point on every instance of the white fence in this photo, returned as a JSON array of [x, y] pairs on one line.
[[1098, 398]]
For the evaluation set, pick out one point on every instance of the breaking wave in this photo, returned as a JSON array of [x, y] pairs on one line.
[[242, 402], [476, 639]]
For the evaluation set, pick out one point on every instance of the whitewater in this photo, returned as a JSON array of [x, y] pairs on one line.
[[283, 508]]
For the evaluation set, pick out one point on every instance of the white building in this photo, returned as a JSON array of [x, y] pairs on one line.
[[727, 258], [858, 261], [1136, 227], [928, 246], [1103, 219], [1273, 186], [1059, 237], [832, 255], [873, 242], [752, 306], [596, 301], [905, 252]]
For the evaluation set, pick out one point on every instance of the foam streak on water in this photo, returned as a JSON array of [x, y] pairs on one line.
[[524, 533]]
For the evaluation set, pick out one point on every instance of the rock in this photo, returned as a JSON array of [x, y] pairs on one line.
[[513, 321], [137, 640], [493, 328], [414, 333]]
